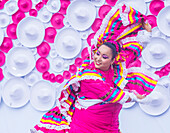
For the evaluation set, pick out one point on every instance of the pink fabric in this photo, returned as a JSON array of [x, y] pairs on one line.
[[97, 118]]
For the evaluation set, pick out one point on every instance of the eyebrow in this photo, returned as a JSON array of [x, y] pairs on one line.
[[103, 54]]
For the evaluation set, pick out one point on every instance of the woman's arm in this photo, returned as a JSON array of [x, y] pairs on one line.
[[138, 96]]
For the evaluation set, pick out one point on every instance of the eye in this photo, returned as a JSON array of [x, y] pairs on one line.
[[105, 57], [98, 53]]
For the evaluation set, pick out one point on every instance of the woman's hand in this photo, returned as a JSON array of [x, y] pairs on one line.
[[76, 86], [140, 96], [147, 26]]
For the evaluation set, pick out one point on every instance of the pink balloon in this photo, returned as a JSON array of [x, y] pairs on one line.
[[103, 10], [156, 6], [78, 62], [46, 75], [96, 25], [11, 31], [57, 20], [64, 5], [6, 44], [42, 64], [1, 74], [66, 74], [50, 34], [33, 12], [25, 5], [18, 16], [2, 58], [43, 49], [73, 68], [59, 78]]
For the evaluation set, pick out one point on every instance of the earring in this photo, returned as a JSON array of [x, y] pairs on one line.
[[112, 66]]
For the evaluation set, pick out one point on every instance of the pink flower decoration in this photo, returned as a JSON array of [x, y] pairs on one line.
[[1, 74], [84, 53], [18, 16], [42, 64], [64, 5], [111, 2], [167, 67], [6, 45], [11, 31], [46, 75], [66, 74], [78, 62], [43, 49], [152, 20], [57, 20], [39, 5], [2, 58], [91, 36], [164, 71], [2, 2], [59, 78], [45, 1], [25, 5], [156, 6], [33, 12], [73, 68], [96, 25], [52, 78], [50, 34], [103, 10], [159, 73]]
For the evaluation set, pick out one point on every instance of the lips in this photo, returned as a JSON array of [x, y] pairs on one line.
[[97, 63]]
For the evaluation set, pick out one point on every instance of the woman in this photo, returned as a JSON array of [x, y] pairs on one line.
[[92, 99]]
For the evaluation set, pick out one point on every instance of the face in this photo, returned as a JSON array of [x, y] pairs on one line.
[[103, 58]]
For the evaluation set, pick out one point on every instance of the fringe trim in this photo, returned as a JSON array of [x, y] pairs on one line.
[[123, 84], [82, 78], [79, 106], [47, 126], [125, 71]]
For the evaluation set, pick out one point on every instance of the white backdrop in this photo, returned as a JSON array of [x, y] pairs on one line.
[[20, 120]]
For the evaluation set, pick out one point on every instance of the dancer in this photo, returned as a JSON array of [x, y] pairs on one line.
[[91, 100]]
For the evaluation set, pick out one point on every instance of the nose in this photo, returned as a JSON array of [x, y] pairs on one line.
[[98, 58]]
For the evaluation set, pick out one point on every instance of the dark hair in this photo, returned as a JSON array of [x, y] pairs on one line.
[[113, 48]]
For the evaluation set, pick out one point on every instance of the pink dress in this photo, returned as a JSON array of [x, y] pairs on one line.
[[108, 86], [100, 118]]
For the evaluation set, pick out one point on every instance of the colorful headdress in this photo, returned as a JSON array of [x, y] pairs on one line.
[[124, 23]]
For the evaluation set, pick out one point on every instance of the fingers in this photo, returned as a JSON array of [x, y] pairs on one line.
[[140, 96], [147, 26]]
